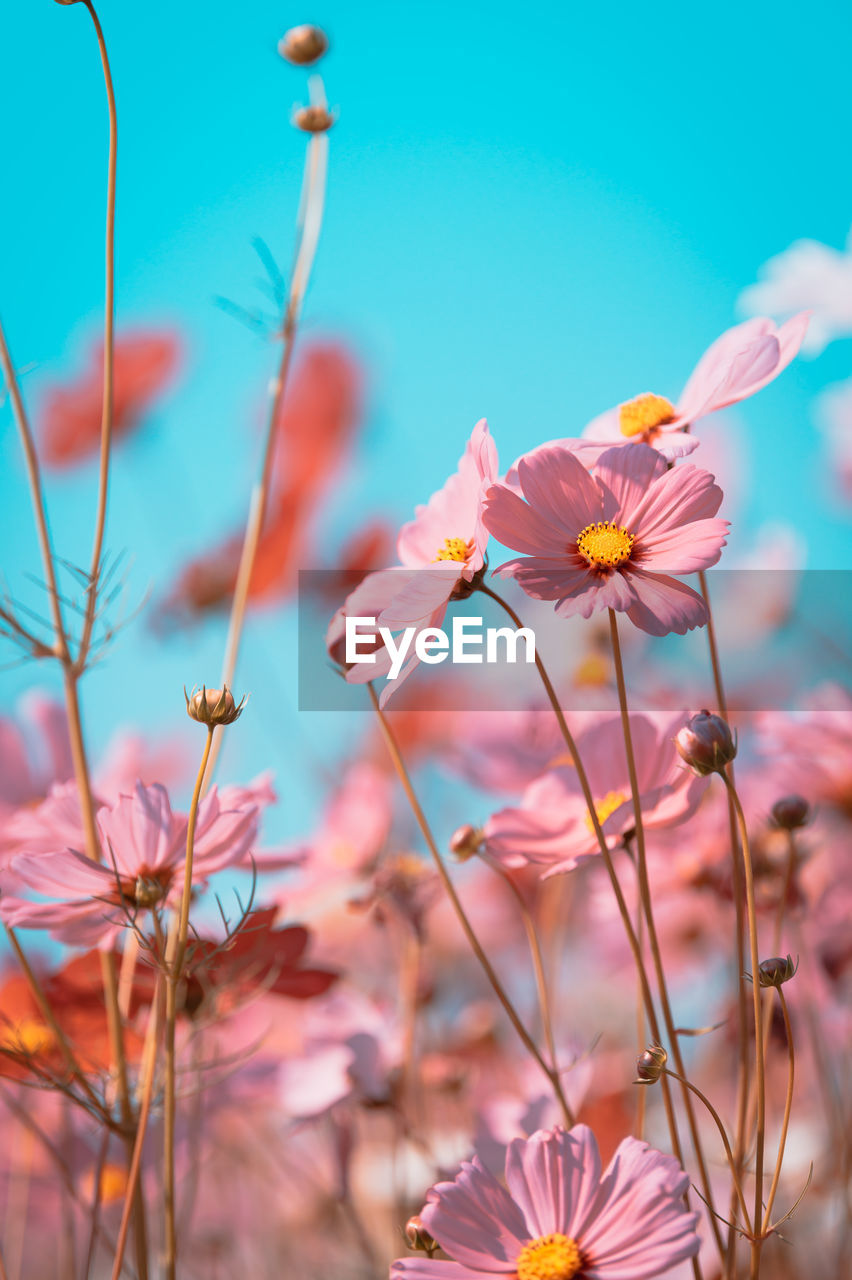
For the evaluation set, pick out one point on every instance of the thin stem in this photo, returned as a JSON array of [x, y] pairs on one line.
[[760, 1066], [449, 887], [541, 988], [788, 1106], [36, 491], [624, 912], [109, 353], [173, 966], [141, 1129], [313, 203], [739, 925], [653, 940], [728, 1152]]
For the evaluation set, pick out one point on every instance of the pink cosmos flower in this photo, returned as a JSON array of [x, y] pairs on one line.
[[738, 364], [552, 827], [144, 845], [610, 537], [559, 1216], [441, 551]]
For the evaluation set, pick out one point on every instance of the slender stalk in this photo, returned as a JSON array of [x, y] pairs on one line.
[[541, 985], [760, 1065], [624, 911], [726, 1144], [455, 901], [653, 940], [173, 966], [739, 925], [109, 352], [788, 1106], [141, 1129], [312, 204], [37, 493]]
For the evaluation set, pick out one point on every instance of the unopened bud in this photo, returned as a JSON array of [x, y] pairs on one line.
[[777, 971], [302, 45], [418, 1237], [466, 842], [650, 1065], [706, 743], [213, 706], [790, 812], [314, 119]]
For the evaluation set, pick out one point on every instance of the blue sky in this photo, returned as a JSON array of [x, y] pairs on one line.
[[532, 215]]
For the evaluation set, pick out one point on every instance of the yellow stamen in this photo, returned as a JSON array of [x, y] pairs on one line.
[[604, 545], [644, 414], [606, 808], [455, 549], [554, 1257]]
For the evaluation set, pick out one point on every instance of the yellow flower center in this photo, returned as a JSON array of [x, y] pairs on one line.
[[554, 1257], [606, 808], [455, 549], [604, 545], [644, 414], [28, 1036]]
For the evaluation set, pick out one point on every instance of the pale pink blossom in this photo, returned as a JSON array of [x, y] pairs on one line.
[[737, 365], [552, 827], [441, 551], [143, 844], [558, 1211], [611, 537]]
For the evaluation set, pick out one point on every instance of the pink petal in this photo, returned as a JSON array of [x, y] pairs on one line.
[[475, 1220], [683, 494], [637, 1227], [664, 604], [557, 484], [627, 472], [517, 525], [693, 547], [554, 1176]]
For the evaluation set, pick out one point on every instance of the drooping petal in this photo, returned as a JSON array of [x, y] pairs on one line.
[[664, 604]]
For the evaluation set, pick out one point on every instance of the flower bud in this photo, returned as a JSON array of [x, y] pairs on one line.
[[465, 842], [418, 1237], [303, 45], [213, 706], [650, 1065], [314, 119], [790, 812], [777, 971], [706, 743]]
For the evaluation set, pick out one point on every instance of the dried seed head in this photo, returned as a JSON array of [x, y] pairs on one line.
[[706, 743], [313, 119], [418, 1237], [790, 812], [465, 842], [777, 971], [303, 45], [213, 706], [650, 1065]]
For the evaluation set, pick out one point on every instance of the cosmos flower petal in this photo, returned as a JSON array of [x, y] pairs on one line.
[[554, 1177], [516, 524], [664, 604], [626, 475], [637, 1226], [556, 484], [475, 1220]]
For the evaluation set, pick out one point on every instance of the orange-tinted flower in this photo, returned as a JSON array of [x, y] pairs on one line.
[[320, 412], [71, 415]]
